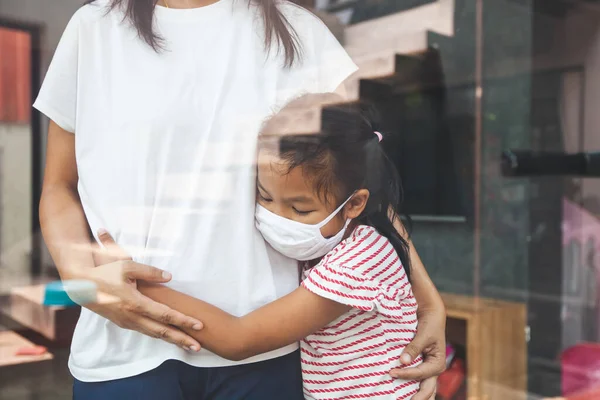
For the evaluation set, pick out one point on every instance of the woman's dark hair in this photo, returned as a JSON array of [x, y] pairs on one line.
[[278, 29], [346, 155]]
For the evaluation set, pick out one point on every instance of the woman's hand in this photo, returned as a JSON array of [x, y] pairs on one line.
[[430, 341], [117, 275]]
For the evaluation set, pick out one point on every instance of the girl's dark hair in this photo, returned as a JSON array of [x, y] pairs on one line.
[[346, 155], [278, 29]]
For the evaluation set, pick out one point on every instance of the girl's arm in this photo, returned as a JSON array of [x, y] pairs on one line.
[[271, 327]]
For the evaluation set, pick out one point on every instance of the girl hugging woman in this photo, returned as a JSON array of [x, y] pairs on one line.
[[328, 200]]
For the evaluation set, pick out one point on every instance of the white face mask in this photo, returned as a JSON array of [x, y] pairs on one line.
[[296, 240]]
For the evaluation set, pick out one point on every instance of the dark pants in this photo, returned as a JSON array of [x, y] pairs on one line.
[[279, 378]]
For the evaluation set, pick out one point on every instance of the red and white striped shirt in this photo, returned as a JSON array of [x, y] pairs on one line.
[[351, 357]]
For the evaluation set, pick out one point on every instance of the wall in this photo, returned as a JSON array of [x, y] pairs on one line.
[[569, 41], [591, 141], [576, 43], [53, 17], [15, 156], [448, 248], [15, 201]]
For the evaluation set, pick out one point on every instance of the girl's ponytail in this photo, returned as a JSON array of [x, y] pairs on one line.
[[384, 206]]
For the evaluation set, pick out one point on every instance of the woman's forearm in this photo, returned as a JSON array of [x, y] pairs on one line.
[[63, 222], [65, 231]]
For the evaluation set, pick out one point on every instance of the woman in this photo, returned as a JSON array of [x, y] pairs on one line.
[[151, 105]]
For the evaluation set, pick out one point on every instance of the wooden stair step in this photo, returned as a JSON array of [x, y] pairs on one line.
[[10, 343], [458, 62], [419, 72], [385, 54], [302, 120], [410, 42], [398, 65], [408, 71], [26, 308], [382, 75], [381, 33]]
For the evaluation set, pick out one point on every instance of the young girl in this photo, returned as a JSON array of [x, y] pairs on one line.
[[326, 199]]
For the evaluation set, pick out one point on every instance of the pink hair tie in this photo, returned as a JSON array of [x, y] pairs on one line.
[[379, 135]]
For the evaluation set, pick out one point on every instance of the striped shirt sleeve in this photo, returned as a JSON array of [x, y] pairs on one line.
[[364, 272], [342, 285]]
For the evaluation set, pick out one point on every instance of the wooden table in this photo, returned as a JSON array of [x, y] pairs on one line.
[[493, 333], [10, 342]]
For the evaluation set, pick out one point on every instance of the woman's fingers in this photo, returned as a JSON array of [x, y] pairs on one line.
[[427, 390], [164, 332], [136, 271], [118, 314], [431, 347], [429, 368], [165, 315], [417, 346]]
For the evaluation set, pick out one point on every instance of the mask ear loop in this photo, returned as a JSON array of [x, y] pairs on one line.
[[337, 210]]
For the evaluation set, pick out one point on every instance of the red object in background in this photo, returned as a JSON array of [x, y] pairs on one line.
[[581, 371], [593, 394], [450, 381], [15, 76], [31, 351]]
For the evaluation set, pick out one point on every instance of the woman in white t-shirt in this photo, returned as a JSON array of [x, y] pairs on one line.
[[151, 104]]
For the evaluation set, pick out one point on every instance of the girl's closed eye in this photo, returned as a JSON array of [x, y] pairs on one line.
[[302, 212]]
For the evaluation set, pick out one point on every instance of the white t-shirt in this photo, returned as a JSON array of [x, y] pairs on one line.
[[165, 145]]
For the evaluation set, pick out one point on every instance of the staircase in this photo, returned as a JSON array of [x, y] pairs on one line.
[[412, 67], [391, 53]]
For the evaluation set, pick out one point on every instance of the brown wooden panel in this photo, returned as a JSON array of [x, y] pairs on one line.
[[15, 76], [493, 332], [55, 323], [27, 307], [10, 342]]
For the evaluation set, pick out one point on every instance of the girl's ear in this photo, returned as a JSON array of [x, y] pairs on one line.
[[357, 204]]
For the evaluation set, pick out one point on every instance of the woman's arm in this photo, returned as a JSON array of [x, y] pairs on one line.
[[62, 220], [431, 332], [271, 327], [425, 292], [429, 300]]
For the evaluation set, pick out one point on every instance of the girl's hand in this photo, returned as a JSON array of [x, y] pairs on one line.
[[430, 341]]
